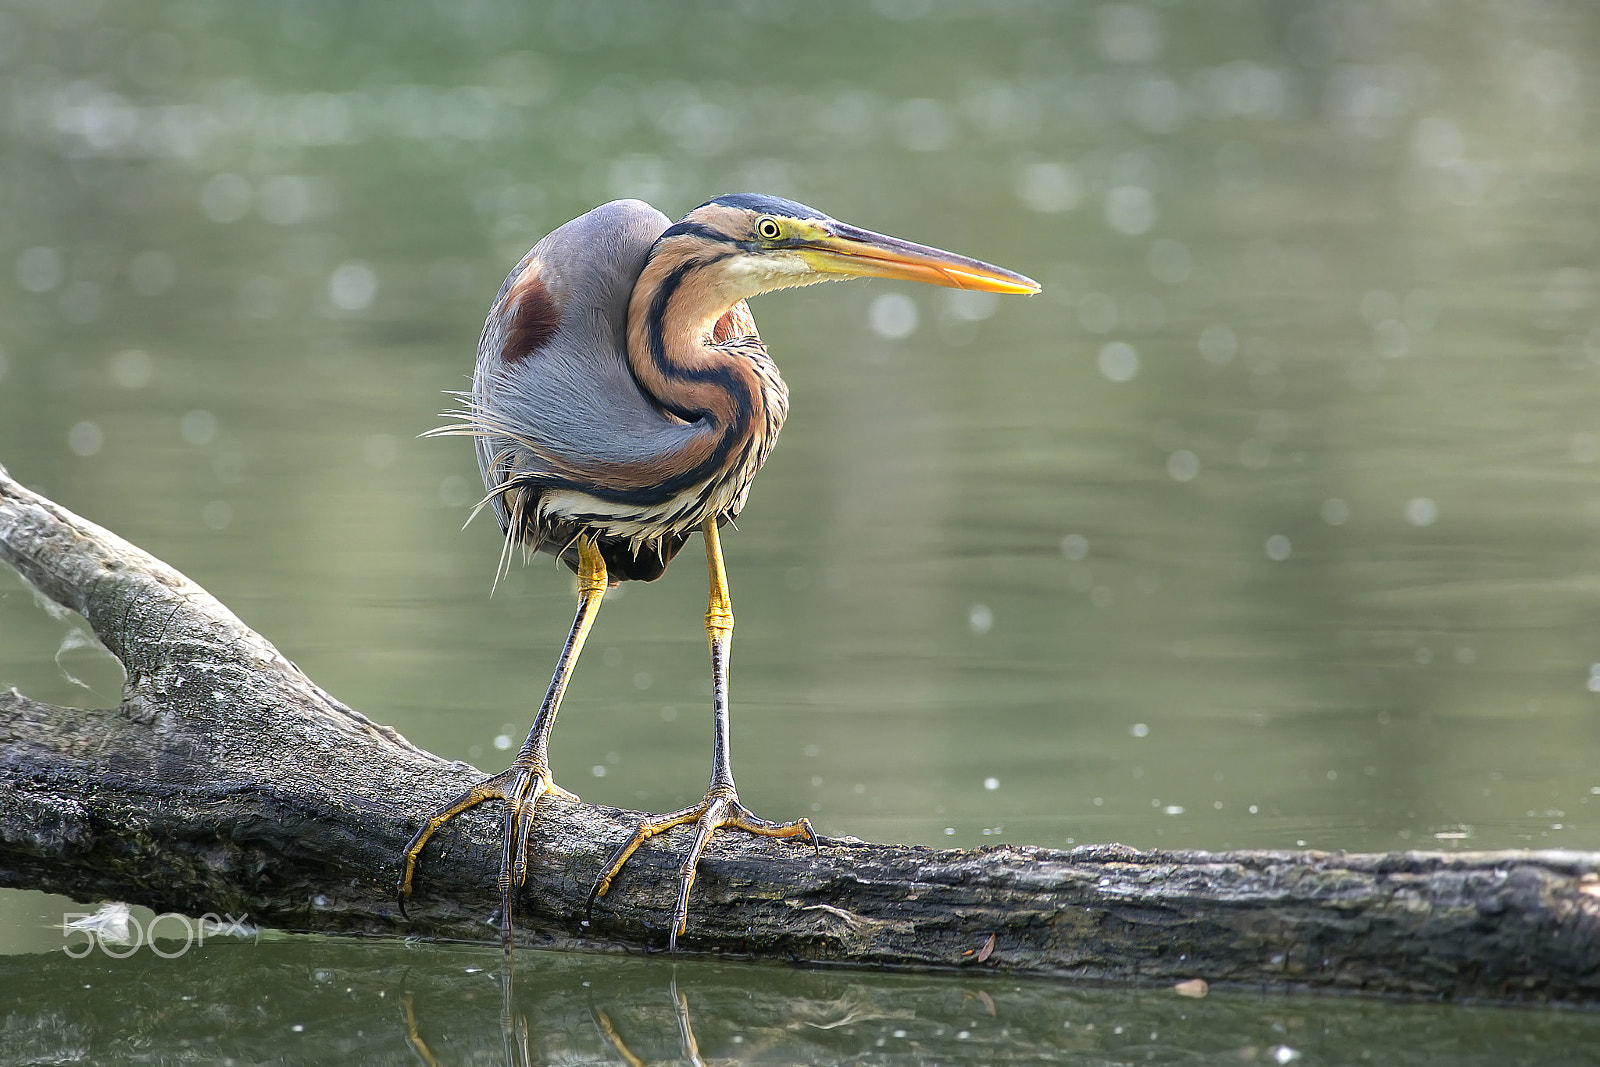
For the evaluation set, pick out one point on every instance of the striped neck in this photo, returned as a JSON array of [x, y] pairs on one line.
[[676, 304]]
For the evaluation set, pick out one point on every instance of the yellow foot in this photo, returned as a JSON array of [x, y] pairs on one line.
[[520, 787], [720, 809]]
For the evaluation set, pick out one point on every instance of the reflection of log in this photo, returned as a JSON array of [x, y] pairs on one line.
[[373, 1005], [227, 782], [346, 1002]]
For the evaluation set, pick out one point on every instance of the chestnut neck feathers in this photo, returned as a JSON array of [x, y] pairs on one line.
[[692, 344]]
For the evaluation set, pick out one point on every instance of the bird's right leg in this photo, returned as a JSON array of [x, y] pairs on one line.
[[528, 778]]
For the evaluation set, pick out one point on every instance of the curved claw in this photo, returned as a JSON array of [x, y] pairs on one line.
[[520, 787], [719, 810]]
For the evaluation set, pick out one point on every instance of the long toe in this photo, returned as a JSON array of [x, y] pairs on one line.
[[519, 788], [719, 810]]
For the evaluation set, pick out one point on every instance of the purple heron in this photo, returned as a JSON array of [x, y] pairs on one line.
[[623, 400]]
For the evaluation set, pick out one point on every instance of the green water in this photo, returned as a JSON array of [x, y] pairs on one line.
[[1272, 522], [313, 1002]]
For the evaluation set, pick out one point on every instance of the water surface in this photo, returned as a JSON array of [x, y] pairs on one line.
[[317, 1001], [1270, 523]]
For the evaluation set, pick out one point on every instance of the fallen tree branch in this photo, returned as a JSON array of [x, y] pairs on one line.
[[227, 782]]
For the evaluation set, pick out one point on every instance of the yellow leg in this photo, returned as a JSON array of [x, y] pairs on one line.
[[720, 808], [528, 778]]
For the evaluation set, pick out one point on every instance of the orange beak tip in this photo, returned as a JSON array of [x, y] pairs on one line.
[[1020, 286]]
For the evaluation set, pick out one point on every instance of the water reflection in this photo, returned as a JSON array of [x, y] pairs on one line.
[[359, 1004]]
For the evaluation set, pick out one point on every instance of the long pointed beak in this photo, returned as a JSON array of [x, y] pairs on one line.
[[846, 250]]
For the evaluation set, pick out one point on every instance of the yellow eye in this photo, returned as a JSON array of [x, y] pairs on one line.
[[768, 229]]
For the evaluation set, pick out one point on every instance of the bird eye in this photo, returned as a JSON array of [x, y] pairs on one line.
[[768, 229]]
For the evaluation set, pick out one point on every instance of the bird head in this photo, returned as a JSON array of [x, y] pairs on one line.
[[758, 243]]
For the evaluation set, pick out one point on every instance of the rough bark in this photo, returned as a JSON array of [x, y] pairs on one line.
[[227, 782]]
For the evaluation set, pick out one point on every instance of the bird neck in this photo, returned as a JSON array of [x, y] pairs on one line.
[[673, 316]]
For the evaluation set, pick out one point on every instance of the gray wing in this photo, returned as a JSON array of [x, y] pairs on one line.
[[553, 400]]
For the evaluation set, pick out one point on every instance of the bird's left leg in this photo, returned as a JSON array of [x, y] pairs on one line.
[[721, 807], [528, 778]]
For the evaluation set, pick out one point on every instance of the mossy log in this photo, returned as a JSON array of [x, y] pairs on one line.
[[227, 782]]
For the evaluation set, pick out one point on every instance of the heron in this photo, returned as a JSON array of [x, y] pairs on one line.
[[623, 400]]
